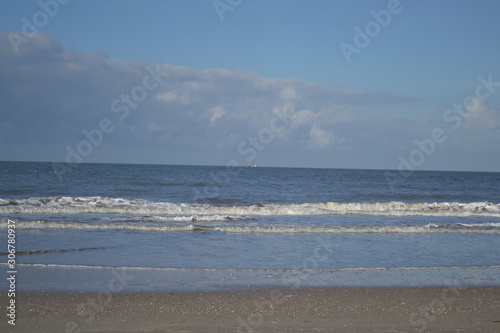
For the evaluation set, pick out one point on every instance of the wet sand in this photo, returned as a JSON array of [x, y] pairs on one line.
[[279, 309]]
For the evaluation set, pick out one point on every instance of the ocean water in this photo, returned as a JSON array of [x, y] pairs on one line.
[[207, 218]]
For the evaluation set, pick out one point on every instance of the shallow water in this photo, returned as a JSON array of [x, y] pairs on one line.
[[188, 217]]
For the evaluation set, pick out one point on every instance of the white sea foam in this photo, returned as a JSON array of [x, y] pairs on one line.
[[265, 228], [354, 269], [105, 205], [87, 226], [197, 218], [475, 225]]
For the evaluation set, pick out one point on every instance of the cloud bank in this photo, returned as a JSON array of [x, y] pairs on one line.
[[51, 94]]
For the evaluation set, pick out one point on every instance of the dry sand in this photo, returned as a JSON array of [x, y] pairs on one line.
[[471, 309]]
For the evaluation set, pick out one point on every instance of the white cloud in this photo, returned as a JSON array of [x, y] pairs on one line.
[[288, 93], [212, 114], [333, 114], [169, 96], [320, 138], [480, 117], [192, 110]]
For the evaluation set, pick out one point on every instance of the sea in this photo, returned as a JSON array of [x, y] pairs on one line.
[[209, 227]]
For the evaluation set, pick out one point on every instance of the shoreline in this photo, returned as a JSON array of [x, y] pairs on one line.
[[266, 309], [50, 279]]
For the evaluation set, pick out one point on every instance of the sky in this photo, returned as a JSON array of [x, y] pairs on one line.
[[408, 85]]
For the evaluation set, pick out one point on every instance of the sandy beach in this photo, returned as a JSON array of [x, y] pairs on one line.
[[424, 309]]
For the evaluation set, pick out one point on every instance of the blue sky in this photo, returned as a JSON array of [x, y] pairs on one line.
[[223, 82]]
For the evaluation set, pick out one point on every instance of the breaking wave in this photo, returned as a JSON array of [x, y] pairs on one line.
[[107, 205], [492, 228], [357, 269]]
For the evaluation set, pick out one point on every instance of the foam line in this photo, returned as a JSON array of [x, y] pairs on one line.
[[488, 228], [252, 270], [106, 205]]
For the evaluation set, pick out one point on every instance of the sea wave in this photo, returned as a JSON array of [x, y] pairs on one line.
[[107, 205], [267, 228], [354, 269], [196, 218]]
